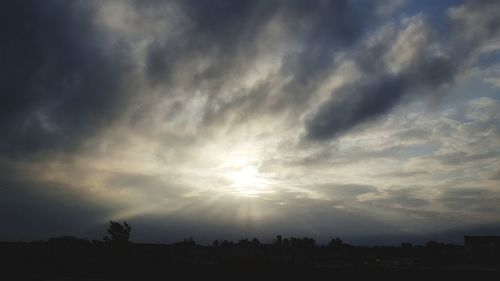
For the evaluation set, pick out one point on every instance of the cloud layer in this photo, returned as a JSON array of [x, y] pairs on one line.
[[263, 116]]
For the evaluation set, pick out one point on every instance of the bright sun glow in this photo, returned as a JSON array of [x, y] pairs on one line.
[[238, 169], [247, 180]]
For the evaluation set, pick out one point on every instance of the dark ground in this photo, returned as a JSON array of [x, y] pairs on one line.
[[69, 258]]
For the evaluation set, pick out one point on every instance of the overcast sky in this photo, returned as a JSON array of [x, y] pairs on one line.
[[228, 119]]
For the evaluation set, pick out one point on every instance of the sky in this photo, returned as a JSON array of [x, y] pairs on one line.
[[367, 120]]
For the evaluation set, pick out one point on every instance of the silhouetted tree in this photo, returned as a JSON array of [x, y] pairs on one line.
[[118, 233], [226, 243], [243, 243], [215, 244], [335, 243]]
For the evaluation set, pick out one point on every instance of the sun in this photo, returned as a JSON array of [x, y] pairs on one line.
[[238, 169], [246, 177], [246, 180]]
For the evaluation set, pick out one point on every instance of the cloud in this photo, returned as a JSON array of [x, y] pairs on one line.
[[386, 8], [294, 216], [403, 198], [416, 61], [496, 176], [344, 191], [477, 22], [253, 58], [402, 174], [61, 82], [471, 200], [31, 208], [340, 116], [459, 157], [155, 188], [92, 71], [158, 109]]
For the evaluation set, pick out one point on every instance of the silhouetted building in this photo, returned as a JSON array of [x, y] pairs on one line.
[[483, 249], [278, 240], [406, 245]]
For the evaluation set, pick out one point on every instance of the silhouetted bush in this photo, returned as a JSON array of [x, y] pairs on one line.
[[118, 233]]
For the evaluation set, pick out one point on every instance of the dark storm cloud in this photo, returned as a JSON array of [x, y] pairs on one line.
[[221, 29], [354, 105], [59, 82], [369, 99], [62, 81], [381, 90], [334, 25], [229, 33]]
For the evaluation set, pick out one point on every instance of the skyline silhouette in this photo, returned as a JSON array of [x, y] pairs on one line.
[[117, 258]]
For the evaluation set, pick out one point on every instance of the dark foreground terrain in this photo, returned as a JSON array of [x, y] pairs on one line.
[[69, 258]]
